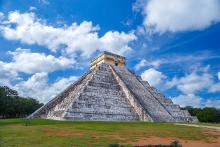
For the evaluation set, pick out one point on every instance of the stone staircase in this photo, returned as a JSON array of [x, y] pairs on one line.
[[102, 99], [154, 108]]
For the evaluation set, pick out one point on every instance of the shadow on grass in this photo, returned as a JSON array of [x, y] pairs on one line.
[[172, 144]]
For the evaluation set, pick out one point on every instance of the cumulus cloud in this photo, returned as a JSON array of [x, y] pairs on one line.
[[219, 75], [176, 60], [44, 2], [193, 82], [6, 76], [23, 60], [78, 38], [37, 86], [181, 15], [195, 101], [154, 77], [213, 103], [1, 16], [31, 8], [188, 100], [143, 63], [215, 88]]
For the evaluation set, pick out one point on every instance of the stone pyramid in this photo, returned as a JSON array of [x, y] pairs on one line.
[[109, 91]]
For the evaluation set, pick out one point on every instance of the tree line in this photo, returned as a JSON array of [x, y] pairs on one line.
[[211, 115], [12, 105]]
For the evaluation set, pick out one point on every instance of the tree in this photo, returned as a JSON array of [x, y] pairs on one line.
[[12, 105], [205, 114]]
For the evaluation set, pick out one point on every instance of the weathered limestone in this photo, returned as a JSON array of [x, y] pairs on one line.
[[110, 92]]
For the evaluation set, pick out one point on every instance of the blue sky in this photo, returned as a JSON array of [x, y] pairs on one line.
[[174, 45]]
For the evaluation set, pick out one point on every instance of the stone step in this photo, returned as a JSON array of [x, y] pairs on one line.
[[101, 103], [99, 116], [94, 111], [96, 93], [104, 85], [112, 83], [105, 98], [106, 79], [101, 90]]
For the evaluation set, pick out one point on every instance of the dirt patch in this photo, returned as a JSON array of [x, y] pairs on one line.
[[212, 132], [184, 143], [107, 135], [54, 132]]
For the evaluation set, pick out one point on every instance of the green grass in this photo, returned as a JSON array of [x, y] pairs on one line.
[[209, 124], [50, 133]]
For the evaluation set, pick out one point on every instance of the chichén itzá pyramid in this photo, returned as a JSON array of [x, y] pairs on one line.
[[111, 92]]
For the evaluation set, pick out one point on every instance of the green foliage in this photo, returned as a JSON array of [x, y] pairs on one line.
[[211, 115], [12, 105], [175, 144]]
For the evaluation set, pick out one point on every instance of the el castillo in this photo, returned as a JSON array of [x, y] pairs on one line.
[[110, 91]]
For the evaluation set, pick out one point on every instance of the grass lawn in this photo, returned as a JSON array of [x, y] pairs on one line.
[[50, 133], [209, 124]]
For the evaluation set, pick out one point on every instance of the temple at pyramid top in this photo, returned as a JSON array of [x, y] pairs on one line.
[[109, 91], [109, 58]]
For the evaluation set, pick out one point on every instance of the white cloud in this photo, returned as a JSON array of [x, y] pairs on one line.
[[31, 8], [193, 82], [37, 86], [214, 88], [213, 103], [219, 75], [6, 76], [143, 63], [181, 15], [138, 5], [1, 16], [154, 77], [44, 2], [188, 100], [23, 60], [82, 38], [195, 101], [176, 59]]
